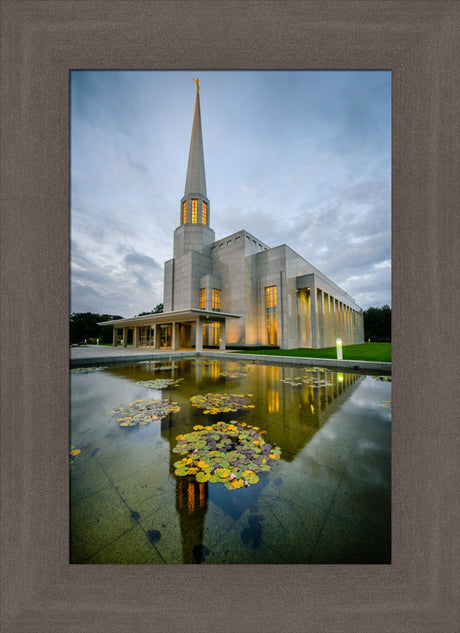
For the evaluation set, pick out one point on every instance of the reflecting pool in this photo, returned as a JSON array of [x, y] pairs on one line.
[[311, 449]]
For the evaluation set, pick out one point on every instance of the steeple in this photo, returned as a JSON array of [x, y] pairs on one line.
[[195, 204]]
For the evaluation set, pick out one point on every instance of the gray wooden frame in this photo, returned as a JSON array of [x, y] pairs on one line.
[[41, 42]]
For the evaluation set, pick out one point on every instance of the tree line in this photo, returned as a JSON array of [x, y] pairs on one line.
[[377, 324], [84, 326]]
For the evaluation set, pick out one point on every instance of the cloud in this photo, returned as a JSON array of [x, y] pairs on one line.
[[294, 157]]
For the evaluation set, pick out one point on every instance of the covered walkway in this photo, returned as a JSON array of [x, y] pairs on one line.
[[188, 329]]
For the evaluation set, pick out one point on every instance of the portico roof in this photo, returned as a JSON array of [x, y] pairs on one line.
[[175, 316]]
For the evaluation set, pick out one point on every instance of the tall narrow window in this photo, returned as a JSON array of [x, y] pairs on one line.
[[216, 300], [194, 211], [270, 315], [203, 298], [205, 213], [184, 212], [215, 333]]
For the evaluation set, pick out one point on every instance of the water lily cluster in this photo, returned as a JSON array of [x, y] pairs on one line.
[[156, 365], [213, 403], [238, 372], [298, 381], [233, 454], [201, 361], [160, 383], [142, 412]]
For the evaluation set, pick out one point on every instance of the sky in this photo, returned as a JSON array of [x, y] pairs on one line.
[[301, 158]]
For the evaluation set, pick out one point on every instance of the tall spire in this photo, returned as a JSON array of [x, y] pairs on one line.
[[195, 183]]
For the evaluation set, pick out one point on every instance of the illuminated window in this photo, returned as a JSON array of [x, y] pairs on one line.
[[194, 208], [216, 299], [270, 297], [270, 315], [203, 298], [215, 333], [205, 213], [184, 212]]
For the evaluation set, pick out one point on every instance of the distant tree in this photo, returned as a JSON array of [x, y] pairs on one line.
[[377, 324], [84, 326], [156, 310]]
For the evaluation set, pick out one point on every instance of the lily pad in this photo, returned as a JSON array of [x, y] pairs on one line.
[[142, 412], [202, 477]]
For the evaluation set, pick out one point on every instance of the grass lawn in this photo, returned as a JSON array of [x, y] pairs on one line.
[[367, 351]]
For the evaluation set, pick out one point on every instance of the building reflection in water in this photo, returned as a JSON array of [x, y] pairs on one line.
[[293, 415]]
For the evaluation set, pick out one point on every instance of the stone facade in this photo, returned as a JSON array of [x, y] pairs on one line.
[[237, 290], [310, 310]]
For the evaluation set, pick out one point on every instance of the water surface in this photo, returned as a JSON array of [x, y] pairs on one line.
[[327, 500]]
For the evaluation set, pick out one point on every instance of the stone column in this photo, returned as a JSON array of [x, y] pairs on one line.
[[199, 336], [222, 336], [135, 336], [321, 320], [334, 320], [175, 336], [340, 320], [345, 323], [125, 337], [114, 338], [327, 324], [156, 343], [314, 318]]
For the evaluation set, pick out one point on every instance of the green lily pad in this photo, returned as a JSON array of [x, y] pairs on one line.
[[201, 477]]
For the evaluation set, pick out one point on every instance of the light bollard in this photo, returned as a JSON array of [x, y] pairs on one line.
[[338, 343]]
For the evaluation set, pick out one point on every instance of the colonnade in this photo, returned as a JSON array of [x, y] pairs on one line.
[[169, 335], [324, 318]]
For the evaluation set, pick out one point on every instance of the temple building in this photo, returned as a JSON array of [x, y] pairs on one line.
[[237, 291]]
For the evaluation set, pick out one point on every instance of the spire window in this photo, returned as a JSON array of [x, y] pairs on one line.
[[194, 211], [203, 298], [184, 212], [205, 213]]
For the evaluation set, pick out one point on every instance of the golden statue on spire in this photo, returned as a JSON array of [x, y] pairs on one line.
[[197, 83]]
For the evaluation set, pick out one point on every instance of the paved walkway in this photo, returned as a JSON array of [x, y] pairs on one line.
[[91, 354], [82, 354]]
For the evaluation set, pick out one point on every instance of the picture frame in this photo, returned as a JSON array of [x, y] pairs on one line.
[[41, 43]]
